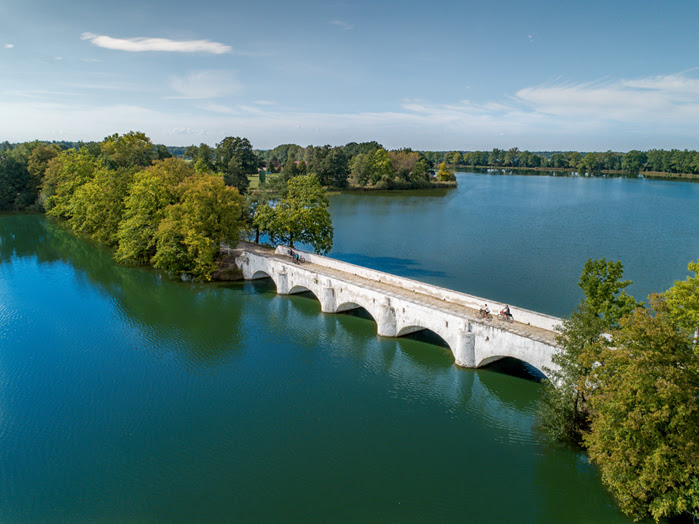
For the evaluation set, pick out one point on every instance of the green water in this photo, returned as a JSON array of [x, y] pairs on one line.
[[126, 397]]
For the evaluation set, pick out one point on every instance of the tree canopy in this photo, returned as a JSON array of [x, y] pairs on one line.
[[299, 215]]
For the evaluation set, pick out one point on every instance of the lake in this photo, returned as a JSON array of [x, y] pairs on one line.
[[126, 396]]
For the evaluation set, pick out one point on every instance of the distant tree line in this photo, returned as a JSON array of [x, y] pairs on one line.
[[632, 162]]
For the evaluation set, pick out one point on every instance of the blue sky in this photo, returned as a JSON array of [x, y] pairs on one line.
[[539, 75]]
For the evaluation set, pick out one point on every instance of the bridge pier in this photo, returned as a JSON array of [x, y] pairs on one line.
[[387, 320], [282, 283], [327, 299], [464, 349]]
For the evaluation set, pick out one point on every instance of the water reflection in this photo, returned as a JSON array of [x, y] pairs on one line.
[[201, 322]]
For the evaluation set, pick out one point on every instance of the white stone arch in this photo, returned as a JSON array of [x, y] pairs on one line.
[[414, 327], [348, 305], [261, 273], [494, 358]]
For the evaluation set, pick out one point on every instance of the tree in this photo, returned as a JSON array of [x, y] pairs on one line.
[[64, 175], [97, 206], [335, 168], [153, 190], [360, 167], [644, 401], [563, 410], [290, 169], [445, 174], [604, 290], [381, 169], [299, 216], [203, 157], [682, 301], [129, 150], [15, 182], [633, 161], [190, 234], [236, 159]]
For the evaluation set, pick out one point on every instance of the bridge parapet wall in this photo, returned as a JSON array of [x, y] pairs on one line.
[[525, 316]]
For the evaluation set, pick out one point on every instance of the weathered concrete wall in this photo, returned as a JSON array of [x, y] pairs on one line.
[[473, 342]]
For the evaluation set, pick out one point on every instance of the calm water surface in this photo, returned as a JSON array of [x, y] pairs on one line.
[[524, 239], [128, 397]]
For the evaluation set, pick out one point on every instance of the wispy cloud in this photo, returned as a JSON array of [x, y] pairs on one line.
[[205, 84], [659, 100], [141, 44], [9, 46], [621, 114], [347, 26]]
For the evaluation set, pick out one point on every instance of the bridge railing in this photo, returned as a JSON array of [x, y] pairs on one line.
[[525, 316]]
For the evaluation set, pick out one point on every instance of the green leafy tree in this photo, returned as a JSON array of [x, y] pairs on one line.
[[64, 175], [190, 234], [152, 190], [634, 161], [360, 168], [299, 216], [290, 169], [204, 157], [98, 205], [236, 159], [683, 303], [38, 163], [335, 168], [381, 168], [563, 409], [643, 392], [604, 290], [445, 174], [15, 182], [129, 150]]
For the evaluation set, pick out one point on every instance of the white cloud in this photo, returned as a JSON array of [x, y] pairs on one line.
[[347, 26], [9, 46], [205, 84], [157, 44]]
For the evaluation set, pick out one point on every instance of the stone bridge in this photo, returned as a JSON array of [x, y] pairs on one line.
[[401, 306]]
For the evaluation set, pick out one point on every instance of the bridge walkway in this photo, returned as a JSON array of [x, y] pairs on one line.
[[461, 310]]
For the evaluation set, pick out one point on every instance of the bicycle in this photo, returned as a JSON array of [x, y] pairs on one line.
[[485, 314], [505, 318]]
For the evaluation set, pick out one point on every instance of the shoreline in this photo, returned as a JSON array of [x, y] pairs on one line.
[[643, 174]]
